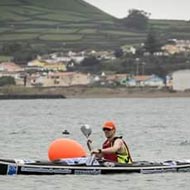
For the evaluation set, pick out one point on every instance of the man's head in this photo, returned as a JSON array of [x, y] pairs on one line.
[[109, 128]]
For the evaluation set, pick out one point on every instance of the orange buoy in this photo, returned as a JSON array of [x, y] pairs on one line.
[[65, 148]]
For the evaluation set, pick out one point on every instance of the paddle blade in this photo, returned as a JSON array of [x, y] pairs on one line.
[[86, 130]]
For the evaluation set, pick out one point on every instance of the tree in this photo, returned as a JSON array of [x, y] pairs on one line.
[[90, 64], [10, 48], [21, 52], [21, 58], [137, 19], [152, 44], [118, 52], [7, 80]]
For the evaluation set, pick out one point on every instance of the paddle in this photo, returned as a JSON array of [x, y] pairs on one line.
[[86, 130]]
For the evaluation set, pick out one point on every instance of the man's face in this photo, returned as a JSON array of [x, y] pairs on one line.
[[109, 132]]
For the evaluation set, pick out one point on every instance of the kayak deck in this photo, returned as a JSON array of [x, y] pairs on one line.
[[30, 167]]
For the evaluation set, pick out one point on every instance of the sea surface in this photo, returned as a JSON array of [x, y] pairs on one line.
[[155, 130]]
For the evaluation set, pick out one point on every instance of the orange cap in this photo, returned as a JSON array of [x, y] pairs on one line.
[[109, 125]]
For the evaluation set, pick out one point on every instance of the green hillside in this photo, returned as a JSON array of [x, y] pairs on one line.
[[60, 24], [178, 29]]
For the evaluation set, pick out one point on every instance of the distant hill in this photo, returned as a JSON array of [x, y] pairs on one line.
[[60, 24]]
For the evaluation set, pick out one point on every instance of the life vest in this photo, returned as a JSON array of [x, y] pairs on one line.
[[117, 157]]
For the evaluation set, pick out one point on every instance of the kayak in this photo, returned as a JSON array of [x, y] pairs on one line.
[[84, 166]]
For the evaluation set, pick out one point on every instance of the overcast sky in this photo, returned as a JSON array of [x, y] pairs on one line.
[[159, 9]]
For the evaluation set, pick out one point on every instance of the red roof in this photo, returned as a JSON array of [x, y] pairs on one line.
[[10, 67]]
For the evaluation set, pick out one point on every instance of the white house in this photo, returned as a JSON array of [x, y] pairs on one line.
[[154, 81], [181, 80], [145, 80]]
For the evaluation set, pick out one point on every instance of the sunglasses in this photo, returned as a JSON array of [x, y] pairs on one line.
[[106, 129]]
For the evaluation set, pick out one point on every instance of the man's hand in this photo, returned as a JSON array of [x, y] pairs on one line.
[[97, 152]]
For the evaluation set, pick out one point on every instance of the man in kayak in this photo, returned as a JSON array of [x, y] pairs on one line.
[[114, 148]]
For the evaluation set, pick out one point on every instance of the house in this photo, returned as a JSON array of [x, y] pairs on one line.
[[133, 81], [154, 81], [177, 46], [36, 63], [130, 82], [144, 80], [181, 80], [10, 67], [61, 79], [112, 79], [70, 56], [116, 77], [49, 65], [129, 49]]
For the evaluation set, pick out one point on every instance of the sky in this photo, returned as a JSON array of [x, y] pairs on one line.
[[159, 9]]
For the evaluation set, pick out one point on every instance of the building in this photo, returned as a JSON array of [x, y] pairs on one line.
[[10, 67], [60, 79], [143, 81], [49, 65], [12, 70], [177, 46], [181, 80]]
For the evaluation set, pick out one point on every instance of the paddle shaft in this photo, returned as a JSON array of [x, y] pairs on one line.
[[89, 144]]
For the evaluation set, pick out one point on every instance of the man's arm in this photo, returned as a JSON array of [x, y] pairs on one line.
[[115, 148]]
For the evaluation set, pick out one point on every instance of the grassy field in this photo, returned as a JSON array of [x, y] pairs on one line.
[[74, 23]]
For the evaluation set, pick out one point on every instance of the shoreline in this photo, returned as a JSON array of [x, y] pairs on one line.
[[128, 94], [30, 96], [87, 92]]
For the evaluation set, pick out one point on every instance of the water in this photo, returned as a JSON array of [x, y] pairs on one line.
[[155, 129]]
